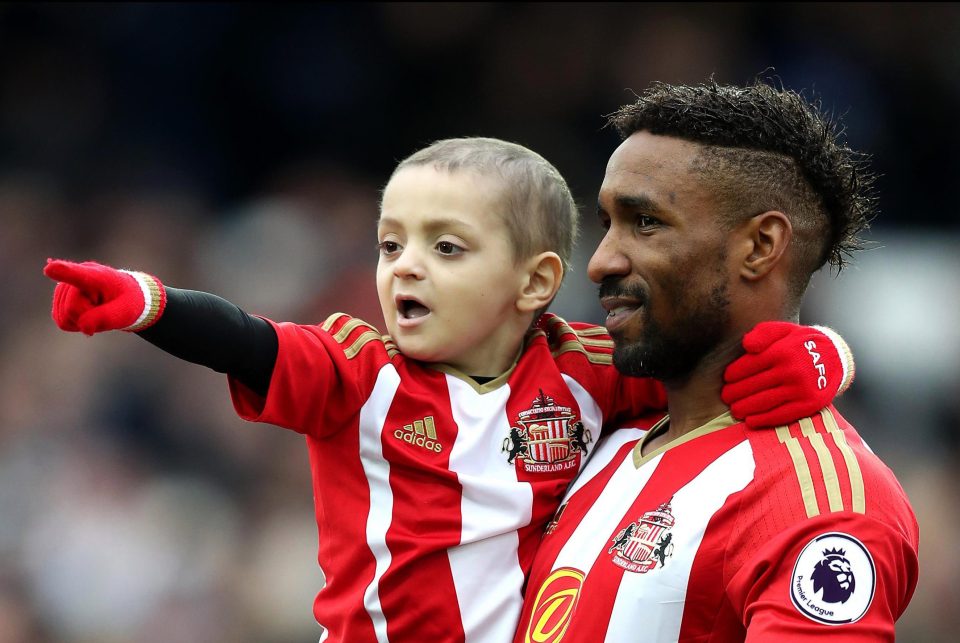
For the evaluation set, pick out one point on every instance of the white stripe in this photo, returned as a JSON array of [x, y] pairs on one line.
[[585, 545], [147, 299], [602, 454], [485, 567], [842, 349], [655, 599], [373, 415]]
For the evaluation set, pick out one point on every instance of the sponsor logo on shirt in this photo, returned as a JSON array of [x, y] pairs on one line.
[[554, 606], [645, 543], [546, 438], [421, 433], [834, 579]]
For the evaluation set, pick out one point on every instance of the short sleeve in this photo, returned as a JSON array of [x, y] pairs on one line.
[[843, 575], [321, 377]]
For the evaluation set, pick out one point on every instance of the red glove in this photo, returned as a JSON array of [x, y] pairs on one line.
[[92, 298], [789, 372]]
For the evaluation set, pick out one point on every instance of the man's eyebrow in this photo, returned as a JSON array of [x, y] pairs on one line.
[[632, 202]]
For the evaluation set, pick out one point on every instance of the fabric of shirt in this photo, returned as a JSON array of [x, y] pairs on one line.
[[432, 491], [727, 534]]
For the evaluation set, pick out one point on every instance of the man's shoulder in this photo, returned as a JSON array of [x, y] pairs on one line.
[[820, 465]]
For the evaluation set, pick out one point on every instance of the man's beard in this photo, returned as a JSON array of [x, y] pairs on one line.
[[672, 353]]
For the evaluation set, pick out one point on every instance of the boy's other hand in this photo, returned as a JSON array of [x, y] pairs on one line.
[[91, 298], [788, 372]]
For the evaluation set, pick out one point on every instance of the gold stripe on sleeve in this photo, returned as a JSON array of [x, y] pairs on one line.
[[573, 345], [348, 328], [853, 467], [589, 332], [601, 343], [803, 471], [829, 470], [390, 345], [354, 348], [331, 320]]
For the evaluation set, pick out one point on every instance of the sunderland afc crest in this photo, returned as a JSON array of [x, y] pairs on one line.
[[546, 438], [645, 543]]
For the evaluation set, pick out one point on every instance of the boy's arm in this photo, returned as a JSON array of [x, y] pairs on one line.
[[194, 326]]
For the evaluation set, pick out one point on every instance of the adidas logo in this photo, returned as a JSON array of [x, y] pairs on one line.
[[422, 433]]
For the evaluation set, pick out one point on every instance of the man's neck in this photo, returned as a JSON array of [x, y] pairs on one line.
[[695, 400]]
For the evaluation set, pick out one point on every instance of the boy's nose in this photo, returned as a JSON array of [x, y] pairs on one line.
[[409, 265]]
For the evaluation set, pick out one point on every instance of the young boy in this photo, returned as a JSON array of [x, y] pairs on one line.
[[441, 450]]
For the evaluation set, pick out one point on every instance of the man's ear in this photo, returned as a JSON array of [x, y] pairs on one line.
[[766, 237], [543, 274]]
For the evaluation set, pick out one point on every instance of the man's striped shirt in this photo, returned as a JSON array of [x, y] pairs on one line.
[[727, 534]]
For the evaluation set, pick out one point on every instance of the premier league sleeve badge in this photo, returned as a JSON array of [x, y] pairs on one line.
[[834, 579]]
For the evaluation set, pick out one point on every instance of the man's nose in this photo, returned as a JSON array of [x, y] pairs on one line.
[[608, 259]]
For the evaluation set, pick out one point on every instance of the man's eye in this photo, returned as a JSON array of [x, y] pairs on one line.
[[646, 221], [448, 248]]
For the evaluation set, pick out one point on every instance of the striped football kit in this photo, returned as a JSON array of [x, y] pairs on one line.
[[726, 534], [432, 492]]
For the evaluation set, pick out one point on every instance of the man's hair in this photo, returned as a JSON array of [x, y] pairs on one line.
[[767, 149], [539, 209]]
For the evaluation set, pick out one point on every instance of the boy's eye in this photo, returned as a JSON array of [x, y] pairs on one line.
[[388, 247], [448, 248]]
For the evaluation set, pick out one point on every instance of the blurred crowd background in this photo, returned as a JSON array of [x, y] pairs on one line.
[[240, 148]]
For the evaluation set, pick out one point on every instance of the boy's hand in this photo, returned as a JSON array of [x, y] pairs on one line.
[[92, 298], [789, 372]]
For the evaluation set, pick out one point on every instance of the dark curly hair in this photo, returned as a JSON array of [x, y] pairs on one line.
[[768, 148]]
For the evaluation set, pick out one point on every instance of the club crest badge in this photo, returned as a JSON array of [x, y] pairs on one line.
[[834, 579], [645, 543], [546, 438]]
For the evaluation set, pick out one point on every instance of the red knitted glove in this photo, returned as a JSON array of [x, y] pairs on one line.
[[789, 372], [92, 298]]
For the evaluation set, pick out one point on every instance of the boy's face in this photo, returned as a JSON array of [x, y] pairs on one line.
[[447, 278]]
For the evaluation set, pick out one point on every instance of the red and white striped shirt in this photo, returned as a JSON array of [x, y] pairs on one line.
[[432, 492], [727, 534]]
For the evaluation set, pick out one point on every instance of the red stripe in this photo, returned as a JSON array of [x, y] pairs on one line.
[[843, 475], [341, 510], [426, 520], [675, 470]]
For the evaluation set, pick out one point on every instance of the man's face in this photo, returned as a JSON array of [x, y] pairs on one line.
[[661, 264]]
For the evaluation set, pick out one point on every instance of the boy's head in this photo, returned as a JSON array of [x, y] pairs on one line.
[[475, 235], [535, 202]]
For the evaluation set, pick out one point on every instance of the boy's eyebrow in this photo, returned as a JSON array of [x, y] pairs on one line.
[[432, 224]]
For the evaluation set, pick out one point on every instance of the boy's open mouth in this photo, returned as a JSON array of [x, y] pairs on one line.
[[411, 308]]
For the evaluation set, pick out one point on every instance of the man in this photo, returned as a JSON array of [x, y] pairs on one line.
[[719, 205]]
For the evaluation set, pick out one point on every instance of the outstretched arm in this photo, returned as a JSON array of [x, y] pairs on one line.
[[195, 326]]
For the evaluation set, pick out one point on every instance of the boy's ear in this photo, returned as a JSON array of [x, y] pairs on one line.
[[766, 238], [542, 275]]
